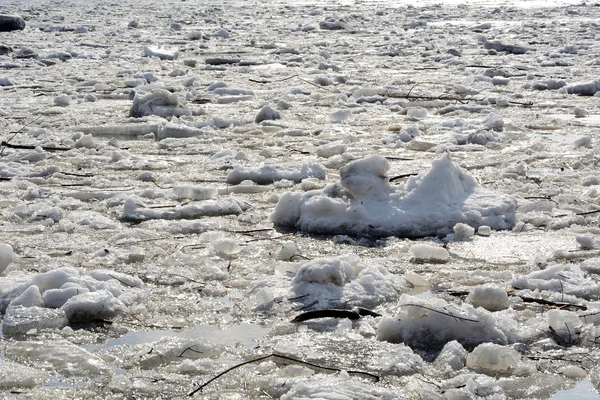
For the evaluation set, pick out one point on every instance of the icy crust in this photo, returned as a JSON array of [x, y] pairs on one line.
[[364, 202]]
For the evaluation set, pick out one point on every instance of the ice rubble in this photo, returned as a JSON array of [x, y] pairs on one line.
[[364, 202], [53, 298]]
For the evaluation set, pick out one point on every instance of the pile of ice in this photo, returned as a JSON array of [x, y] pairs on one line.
[[65, 295], [431, 323], [329, 282], [364, 202]]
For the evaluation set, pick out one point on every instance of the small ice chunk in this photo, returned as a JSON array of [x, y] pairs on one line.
[[493, 359], [586, 242], [580, 112], [488, 296], [584, 141], [86, 141], [564, 326], [194, 192], [463, 231], [160, 102], [226, 247], [417, 113], [484, 230], [266, 113], [62, 100], [416, 280], [56, 298], [286, 251], [19, 320], [340, 116], [91, 306], [31, 297], [6, 255], [163, 54], [331, 149], [452, 357], [494, 122], [428, 253]]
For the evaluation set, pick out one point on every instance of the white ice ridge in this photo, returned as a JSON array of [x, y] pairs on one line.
[[364, 202]]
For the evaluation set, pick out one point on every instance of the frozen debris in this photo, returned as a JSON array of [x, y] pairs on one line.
[[93, 306], [493, 359], [431, 323], [17, 376], [267, 113], [339, 116], [221, 61], [60, 357], [365, 203], [584, 88], [171, 349], [416, 280], [10, 23], [18, 320], [488, 296], [132, 212], [548, 84], [271, 173], [331, 149], [171, 130], [329, 282], [587, 242], [424, 252], [286, 251], [226, 248], [463, 231], [453, 357], [332, 25], [565, 327], [31, 297], [497, 45], [580, 112], [4, 81], [6, 256], [222, 33], [584, 141], [160, 102], [194, 192], [163, 54], [62, 100], [417, 113], [86, 141], [484, 230], [556, 278]]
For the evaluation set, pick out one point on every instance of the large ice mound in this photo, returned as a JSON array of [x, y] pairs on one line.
[[364, 202]]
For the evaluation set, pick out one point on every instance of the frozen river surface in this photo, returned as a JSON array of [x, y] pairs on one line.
[[296, 200]]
